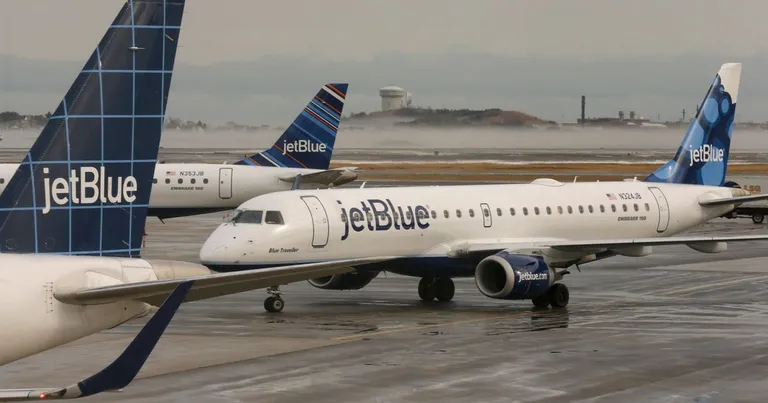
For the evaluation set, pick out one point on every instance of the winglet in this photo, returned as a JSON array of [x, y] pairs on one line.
[[121, 372]]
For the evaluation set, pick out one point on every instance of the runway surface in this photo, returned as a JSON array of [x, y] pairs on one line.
[[672, 327]]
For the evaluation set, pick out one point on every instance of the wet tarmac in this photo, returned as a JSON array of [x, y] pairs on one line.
[[671, 327]]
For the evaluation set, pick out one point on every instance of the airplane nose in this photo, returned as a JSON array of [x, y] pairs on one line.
[[214, 249]]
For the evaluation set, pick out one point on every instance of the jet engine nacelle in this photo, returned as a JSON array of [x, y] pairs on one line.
[[511, 276], [346, 281]]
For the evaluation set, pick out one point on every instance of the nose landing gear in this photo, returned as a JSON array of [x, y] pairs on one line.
[[274, 303]]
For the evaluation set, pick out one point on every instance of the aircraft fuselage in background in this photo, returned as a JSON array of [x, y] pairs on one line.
[[187, 189], [427, 225]]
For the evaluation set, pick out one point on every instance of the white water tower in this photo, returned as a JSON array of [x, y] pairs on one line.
[[394, 98]]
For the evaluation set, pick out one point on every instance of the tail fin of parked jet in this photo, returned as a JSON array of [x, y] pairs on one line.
[[702, 158], [84, 186], [308, 141]]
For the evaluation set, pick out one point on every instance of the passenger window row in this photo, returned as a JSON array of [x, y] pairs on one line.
[[590, 209], [179, 181]]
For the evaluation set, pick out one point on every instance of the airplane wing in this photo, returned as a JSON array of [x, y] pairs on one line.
[[679, 240], [210, 285], [732, 200], [330, 177], [122, 370], [587, 246]]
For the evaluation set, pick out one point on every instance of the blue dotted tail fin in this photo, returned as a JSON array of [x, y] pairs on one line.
[[702, 158], [84, 186], [308, 142]]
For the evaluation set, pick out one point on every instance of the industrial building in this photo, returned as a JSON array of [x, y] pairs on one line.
[[393, 97]]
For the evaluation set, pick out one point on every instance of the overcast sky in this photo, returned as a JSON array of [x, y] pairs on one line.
[[407, 36]]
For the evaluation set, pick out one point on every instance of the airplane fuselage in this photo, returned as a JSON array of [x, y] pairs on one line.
[[189, 189], [424, 224], [40, 321]]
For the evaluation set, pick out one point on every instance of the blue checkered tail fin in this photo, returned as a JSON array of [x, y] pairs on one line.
[[84, 186]]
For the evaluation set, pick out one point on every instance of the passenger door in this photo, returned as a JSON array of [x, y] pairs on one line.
[[321, 229], [225, 183], [661, 202], [486, 211]]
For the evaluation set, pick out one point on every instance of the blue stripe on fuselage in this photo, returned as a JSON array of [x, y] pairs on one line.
[[419, 266]]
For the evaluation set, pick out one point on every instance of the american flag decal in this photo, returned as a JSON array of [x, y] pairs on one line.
[[170, 173], [611, 196]]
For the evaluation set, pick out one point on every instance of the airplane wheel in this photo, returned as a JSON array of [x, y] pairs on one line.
[[558, 296], [542, 301], [758, 218], [274, 304], [427, 289], [445, 289]]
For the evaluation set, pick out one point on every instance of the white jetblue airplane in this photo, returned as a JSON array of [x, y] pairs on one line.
[[517, 240], [66, 268], [301, 156]]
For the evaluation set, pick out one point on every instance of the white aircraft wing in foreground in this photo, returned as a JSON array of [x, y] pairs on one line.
[[209, 285], [122, 370]]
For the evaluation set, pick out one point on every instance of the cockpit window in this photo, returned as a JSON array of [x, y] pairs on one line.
[[273, 217], [247, 217]]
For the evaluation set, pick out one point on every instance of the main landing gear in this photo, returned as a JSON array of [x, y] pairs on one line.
[[440, 288], [274, 303], [557, 296]]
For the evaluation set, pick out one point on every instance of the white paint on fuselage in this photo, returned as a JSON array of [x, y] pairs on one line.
[[204, 186], [41, 322], [256, 244], [36, 321]]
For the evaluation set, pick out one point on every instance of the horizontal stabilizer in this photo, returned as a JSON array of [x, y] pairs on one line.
[[210, 285], [733, 200], [122, 370], [331, 177]]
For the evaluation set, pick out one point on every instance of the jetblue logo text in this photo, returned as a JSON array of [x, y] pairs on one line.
[[303, 146], [94, 187], [528, 276], [706, 153], [384, 217]]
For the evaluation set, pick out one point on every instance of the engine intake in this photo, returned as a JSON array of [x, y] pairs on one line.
[[511, 276], [346, 281]]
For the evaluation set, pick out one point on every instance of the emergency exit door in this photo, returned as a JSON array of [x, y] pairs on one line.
[[486, 212], [661, 201], [225, 183], [320, 227]]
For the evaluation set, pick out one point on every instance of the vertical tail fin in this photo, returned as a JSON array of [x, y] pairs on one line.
[[702, 158], [308, 141], [84, 186]]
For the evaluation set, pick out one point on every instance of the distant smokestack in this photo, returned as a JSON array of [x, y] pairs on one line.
[[583, 109]]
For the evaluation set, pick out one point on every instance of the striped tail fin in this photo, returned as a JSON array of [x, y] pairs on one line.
[[308, 142]]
